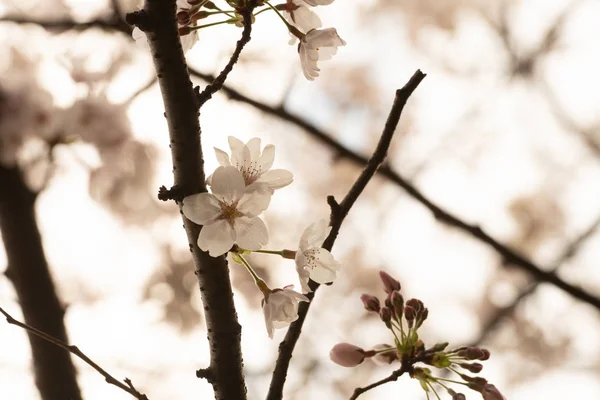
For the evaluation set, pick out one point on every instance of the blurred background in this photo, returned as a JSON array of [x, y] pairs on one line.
[[503, 133]]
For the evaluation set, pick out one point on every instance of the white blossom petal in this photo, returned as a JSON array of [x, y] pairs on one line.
[[237, 151], [251, 233], [216, 238], [314, 235], [228, 184], [201, 208], [326, 267], [222, 157], [276, 178], [254, 147], [265, 160], [253, 203], [280, 308], [318, 44]]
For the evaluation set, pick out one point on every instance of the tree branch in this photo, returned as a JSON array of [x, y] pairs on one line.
[[505, 311], [66, 24], [338, 214], [218, 82], [393, 377], [509, 255], [157, 19], [127, 386], [55, 375]]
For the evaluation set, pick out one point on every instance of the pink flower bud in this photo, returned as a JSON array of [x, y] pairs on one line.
[[347, 355], [389, 283], [371, 303], [490, 392], [385, 314]]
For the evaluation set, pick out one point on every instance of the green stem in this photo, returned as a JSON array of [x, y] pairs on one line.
[[195, 28], [276, 252], [257, 280], [293, 30], [262, 11]]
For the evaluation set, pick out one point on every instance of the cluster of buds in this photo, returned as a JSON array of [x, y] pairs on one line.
[[403, 319]]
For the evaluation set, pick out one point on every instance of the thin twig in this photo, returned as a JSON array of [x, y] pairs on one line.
[[127, 386], [338, 214], [218, 82], [392, 378]]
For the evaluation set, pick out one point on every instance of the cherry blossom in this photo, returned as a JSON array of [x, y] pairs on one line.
[[280, 308], [254, 165], [302, 18], [313, 261], [229, 214], [318, 44], [347, 355]]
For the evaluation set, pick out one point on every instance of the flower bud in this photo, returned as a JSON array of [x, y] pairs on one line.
[[183, 18], [474, 367], [371, 303], [476, 383], [386, 316], [389, 283], [397, 302], [438, 347], [409, 314], [347, 355], [456, 396], [184, 30], [416, 304], [490, 392], [486, 354]]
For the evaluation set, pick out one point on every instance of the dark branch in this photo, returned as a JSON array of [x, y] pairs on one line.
[[61, 25], [218, 82], [28, 270], [127, 386], [506, 311], [392, 378], [510, 256], [338, 214], [157, 20]]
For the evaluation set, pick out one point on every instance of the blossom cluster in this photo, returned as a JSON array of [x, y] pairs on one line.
[[315, 44], [240, 191], [403, 319]]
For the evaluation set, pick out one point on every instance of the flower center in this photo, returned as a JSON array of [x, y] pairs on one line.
[[251, 173], [311, 258], [229, 212]]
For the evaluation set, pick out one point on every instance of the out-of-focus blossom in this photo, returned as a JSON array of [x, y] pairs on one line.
[[318, 44], [255, 165], [313, 261], [229, 214], [347, 355], [26, 109], [280, 308], [99, 122]]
